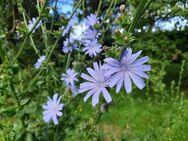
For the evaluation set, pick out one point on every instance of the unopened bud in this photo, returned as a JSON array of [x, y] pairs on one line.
[[41, 2], [122, 7], [104, 107], [125, 38]]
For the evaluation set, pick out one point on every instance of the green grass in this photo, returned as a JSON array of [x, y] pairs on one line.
[[136, 117], [140, 119]]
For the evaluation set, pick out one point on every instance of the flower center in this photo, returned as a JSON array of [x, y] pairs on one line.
[[100, 84], [54, 108], [124, 67]]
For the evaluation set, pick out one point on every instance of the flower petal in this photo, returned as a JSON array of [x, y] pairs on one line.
[[127, 83], [112, 61], [89, 94], [87, 77], [119, 84], [134, 57], [140, 61], [106, 95], [141, 74], [54, 118], [115, 78], [95, 98], [137, 80], [141, 68]]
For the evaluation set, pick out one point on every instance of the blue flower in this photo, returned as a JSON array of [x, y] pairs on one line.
[[70, 24], [90, 34], [31, 24], [128, 69], [91, 20], [73, 89], [95, 85], [69, 77], [52, 109], [69, 45], [39, 62], [92, 47]]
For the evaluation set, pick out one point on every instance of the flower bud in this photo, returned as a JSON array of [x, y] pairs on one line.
[[122, 7], [125, 38]]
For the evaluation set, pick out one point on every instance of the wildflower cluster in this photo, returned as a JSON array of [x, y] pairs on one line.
[[104, 75]]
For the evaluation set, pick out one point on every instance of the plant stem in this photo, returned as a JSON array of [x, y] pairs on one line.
[[98, 118], [32, 81], [180, 77], [43, 27], [56, 131], [68, 61], [99, 7], [30, 32], [48, 57], [2, 54], [139, 12], [20, 50]]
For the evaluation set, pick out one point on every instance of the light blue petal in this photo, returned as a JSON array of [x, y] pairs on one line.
[[134, 57], [87, 77], [127, 83], [126, 56], [95, 98], [119, 84], [137, 80], [55, 98], [47, 117], [86, 86], [140, 61], [141, 74], [106, 95], [141, 68], [112, 62], [111, 71], [59, 114], [60, 107], [54, 118], [92, 73], [92, 91], [115, 78]]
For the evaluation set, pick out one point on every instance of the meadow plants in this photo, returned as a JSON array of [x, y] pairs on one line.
[[61, 60]]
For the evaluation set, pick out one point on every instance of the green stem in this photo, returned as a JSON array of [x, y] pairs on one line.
[[38, 19], [57, 40], [20, 50], [11, 86], [54, 10], [99, 7], [48, 57], [33, 45], [32, 81], [30, 37], [2, 54], [108, 10], [180, 77], [68, 61], [30, 32], [98, 118], [56, 131], [139, 12]]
